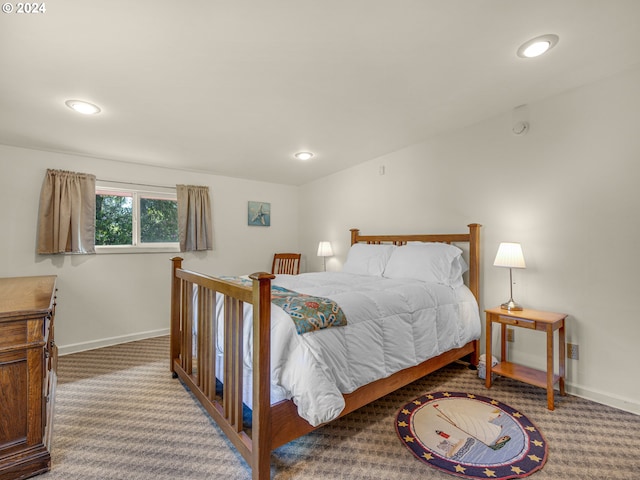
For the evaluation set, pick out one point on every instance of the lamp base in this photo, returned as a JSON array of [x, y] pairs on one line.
[[511, 305]]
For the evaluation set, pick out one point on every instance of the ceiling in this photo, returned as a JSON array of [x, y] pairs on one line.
[[236, 87]]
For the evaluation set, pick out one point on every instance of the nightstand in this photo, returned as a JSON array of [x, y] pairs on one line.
[[534, 320]]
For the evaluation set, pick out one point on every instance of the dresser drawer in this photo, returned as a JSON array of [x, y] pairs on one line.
[[518, 322], [13, 396], [13, 333]]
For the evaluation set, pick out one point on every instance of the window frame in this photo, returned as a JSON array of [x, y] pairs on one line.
[[137, 192]]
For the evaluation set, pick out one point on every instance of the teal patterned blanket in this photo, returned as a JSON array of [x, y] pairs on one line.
[[308, 313]]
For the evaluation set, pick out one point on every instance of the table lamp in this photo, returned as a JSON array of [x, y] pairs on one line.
[[324, 251], [510, 255]]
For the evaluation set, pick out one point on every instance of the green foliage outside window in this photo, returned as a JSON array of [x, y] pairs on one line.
[[159, 220], [114, 220]]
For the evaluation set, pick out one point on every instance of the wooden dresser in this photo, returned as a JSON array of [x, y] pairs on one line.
[[28, 357]]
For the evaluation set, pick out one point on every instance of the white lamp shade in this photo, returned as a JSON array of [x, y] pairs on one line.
[[324, 249], [509, 255]]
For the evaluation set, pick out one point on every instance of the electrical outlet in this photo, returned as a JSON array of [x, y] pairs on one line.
[[511, 335], [572, 351]]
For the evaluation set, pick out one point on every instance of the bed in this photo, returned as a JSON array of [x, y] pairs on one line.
[[223, 351]]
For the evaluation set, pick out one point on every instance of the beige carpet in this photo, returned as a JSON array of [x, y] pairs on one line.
[[120, 415]]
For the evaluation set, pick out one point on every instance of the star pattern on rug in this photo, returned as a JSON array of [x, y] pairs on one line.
[[489, 473]]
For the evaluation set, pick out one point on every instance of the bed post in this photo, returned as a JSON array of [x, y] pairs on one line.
[[474, 259], [175, 314], [354, 235], [261, 415], [474, 276]]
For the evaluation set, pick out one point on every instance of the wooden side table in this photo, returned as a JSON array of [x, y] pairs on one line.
[[534, 320]]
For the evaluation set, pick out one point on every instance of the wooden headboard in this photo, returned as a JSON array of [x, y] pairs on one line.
[[472, 238]]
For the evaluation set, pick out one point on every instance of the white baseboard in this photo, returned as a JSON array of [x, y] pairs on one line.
[[615, 401], [107, 342]]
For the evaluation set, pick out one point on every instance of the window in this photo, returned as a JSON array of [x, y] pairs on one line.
[[135, 218]]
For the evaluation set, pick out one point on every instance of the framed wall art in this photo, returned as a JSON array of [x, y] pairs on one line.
[[259, 214]]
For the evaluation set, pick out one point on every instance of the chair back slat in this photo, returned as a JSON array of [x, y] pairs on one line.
[[286, 263]]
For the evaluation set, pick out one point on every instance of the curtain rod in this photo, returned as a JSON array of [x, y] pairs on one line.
[[135, 183]]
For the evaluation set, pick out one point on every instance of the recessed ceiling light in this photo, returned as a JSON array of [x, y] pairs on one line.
[[303, 155], [537, 46], [83, 107]]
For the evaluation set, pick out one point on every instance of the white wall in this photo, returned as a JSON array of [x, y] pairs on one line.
[[105, 299], [567, 191]]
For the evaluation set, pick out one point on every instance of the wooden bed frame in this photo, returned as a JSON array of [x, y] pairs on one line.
[[272, 425]]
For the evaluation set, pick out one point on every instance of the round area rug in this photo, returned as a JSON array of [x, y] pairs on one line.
[[471, 436]]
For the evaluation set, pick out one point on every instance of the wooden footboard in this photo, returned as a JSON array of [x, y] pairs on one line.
[[193, 357], [194, 361]]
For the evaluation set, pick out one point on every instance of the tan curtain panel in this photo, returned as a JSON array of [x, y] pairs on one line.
[[194, 218], [67, 216]]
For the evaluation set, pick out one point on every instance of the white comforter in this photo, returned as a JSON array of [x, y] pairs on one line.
[[392, 324]]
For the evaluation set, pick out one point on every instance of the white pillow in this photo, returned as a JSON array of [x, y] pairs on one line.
[[458, 267], [365, 259], [429, 262]]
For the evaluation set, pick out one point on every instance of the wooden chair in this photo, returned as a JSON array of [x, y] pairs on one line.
[[287, 263]]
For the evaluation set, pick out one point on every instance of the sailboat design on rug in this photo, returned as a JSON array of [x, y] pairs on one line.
[[477, 428]]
